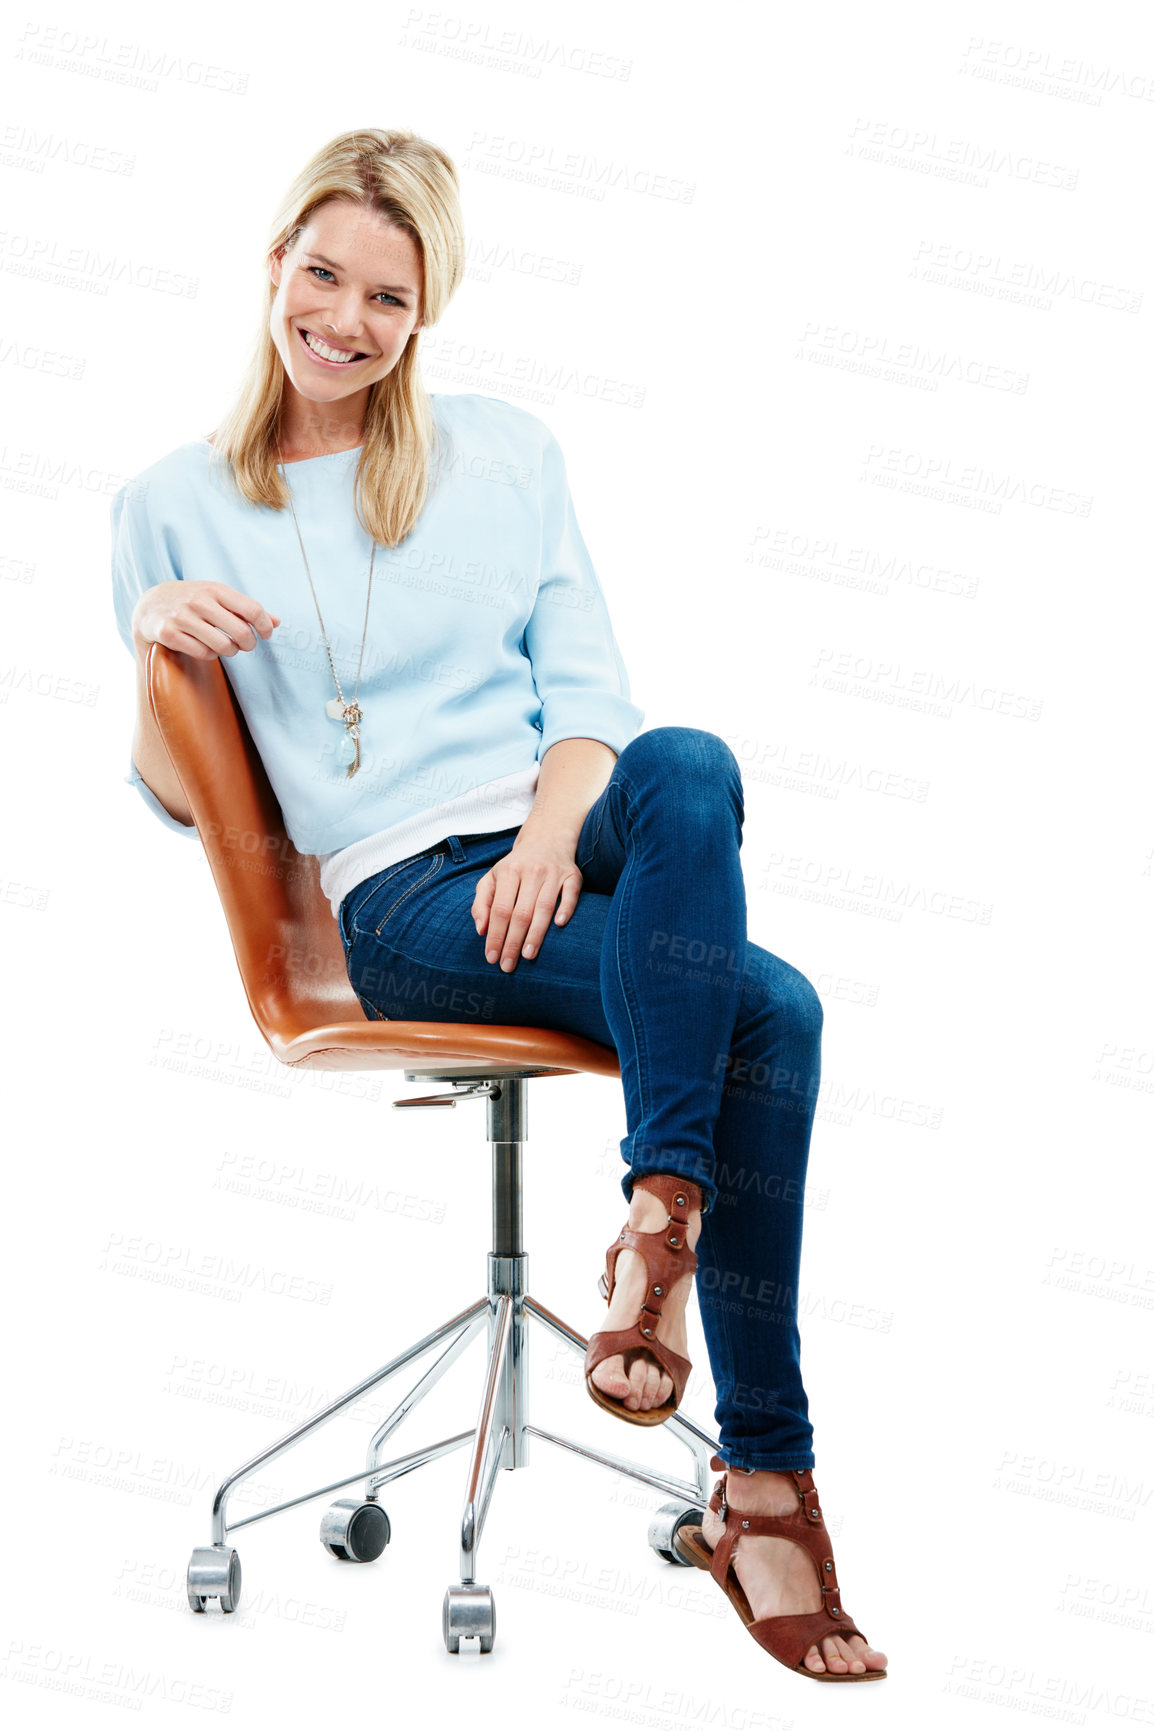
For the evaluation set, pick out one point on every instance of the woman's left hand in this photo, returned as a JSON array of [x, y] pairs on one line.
[[515, 900]]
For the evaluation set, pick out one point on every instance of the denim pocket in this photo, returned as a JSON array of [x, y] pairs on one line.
[[358, 915], [397, 893]]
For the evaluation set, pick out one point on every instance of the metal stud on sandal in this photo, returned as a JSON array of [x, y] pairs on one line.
[[667, 1259], [786, 1638]]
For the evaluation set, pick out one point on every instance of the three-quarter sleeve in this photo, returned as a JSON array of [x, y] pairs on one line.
[[140, 560], [577, 667]]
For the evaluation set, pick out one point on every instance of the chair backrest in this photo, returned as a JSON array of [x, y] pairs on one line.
[[282, 928]]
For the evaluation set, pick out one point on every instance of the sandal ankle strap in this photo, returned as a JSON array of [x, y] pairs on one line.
[[802, 1478], [680, 1196]]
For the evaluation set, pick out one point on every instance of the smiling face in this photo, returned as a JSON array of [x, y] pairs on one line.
[[347, 302]]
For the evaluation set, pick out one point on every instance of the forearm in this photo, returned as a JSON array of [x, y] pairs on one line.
[[574, 773], [148, 749]]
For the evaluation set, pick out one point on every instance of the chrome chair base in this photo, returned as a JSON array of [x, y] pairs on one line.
[[357, 1529]]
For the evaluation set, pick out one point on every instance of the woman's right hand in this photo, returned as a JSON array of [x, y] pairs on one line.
[[203, 620]]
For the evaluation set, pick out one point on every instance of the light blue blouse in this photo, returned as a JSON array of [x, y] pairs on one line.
[[488, 641]]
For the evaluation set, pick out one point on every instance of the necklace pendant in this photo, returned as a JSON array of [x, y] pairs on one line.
[[335, 708], [351, 750]]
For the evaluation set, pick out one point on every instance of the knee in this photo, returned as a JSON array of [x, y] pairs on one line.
[[690, 760], [802, 1007], [781, 994]]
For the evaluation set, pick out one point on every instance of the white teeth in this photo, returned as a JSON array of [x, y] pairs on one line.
[[323, 350]]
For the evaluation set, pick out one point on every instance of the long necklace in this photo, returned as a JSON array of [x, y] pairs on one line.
[[350, 713]]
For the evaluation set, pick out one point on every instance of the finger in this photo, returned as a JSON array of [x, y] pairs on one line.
[[221, 632], [499, 916], [482, 901], [170, 636], [244, 607], [539, 924], [510, 910], [570, 894], [524, 913], [243, 633]]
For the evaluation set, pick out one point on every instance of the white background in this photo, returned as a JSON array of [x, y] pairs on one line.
[[877, 281]]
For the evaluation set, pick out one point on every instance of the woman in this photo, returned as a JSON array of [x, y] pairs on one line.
[[498, 839]]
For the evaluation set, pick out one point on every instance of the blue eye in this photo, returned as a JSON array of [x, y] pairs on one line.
[[324, 272]]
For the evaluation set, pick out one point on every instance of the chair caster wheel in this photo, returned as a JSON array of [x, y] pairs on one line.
[[214, 1573], [354, 1531], [664, 1525], [469, 1620]]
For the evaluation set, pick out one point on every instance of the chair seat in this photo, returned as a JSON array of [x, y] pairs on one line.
[[369, 1045]]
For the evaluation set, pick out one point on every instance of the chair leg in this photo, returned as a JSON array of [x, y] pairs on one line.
[[489, 1439], [414, 1397], [467, 1322], [468, 1616], [700, 1445]]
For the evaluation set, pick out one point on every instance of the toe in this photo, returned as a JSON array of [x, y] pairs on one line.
[[642, 1392], [609, 1376], [861, 1649], [833, 1658], [814, 1660]]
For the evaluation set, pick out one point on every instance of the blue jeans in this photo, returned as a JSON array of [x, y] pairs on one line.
[[718, 1041]]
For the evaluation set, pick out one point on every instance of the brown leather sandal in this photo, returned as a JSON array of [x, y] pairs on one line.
[[787, 1638], [668, 1259]]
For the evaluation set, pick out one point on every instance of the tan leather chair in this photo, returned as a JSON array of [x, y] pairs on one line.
[[292, 965]]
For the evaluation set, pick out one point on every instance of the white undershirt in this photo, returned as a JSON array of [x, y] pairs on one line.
[[495, 805]]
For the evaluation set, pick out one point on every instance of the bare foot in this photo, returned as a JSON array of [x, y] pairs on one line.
[[778, 1576], [647, 1384]]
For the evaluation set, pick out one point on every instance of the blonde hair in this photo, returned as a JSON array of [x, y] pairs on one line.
[[412, 184]]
